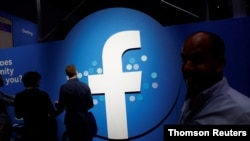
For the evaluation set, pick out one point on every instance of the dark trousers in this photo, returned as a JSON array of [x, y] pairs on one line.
[[5, 127], [5, 132]]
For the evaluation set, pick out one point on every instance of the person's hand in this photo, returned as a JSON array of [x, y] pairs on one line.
[[56, 103]]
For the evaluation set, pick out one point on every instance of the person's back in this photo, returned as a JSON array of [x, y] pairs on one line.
[[36, 109], [210, 100], [75, 97], [77, 101], [33, 104]]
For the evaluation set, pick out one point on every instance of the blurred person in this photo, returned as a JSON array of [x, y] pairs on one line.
[[36, 109], [6, 100], [210, 100], [76, 99]]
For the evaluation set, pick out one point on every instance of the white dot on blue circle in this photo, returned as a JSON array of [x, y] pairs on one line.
[[154, 85], [136, 66], [129, 67], [144, 58], [99, 70], [132, 98], [85, 73]]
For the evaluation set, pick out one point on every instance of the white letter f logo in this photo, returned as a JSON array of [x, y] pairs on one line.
[[114, 82]]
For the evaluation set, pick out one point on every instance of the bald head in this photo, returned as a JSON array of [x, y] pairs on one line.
[[207, 41]]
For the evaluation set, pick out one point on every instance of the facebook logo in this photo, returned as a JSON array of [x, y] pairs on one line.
[[133, 69], [114, 82]]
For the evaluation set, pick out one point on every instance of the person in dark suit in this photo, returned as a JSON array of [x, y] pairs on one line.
[[76, 99], [210, 99], [6, 100], [36, 109]]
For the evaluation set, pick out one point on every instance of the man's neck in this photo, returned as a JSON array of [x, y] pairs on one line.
[[73, 77]]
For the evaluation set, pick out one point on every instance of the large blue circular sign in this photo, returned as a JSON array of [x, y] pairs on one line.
[[132, 66]]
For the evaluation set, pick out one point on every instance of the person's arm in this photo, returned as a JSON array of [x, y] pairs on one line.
[[51, 108], [90, 100], [60, 104], [18, 108], [6, 98]]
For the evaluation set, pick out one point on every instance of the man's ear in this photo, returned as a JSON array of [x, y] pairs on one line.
[[221, 62]]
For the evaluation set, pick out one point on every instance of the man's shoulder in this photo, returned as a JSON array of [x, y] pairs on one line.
[[72, 83], [20, 93], [239, 97]]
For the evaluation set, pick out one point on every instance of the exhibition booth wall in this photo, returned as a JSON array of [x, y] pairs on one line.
[[132, 64]]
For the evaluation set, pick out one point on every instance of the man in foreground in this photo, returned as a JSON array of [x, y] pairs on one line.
[[210, 100]]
